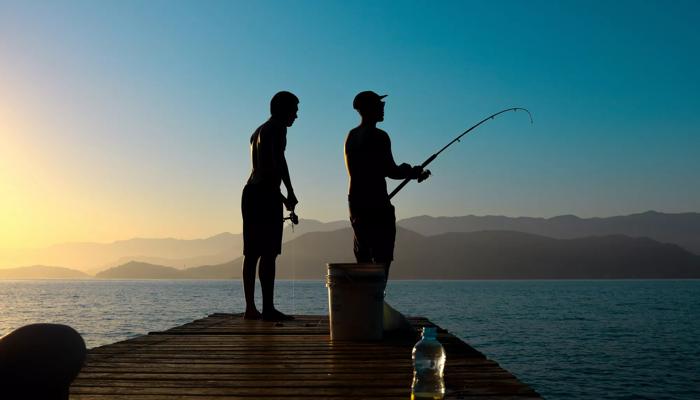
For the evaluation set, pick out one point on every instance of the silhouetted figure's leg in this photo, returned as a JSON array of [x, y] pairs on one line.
[[384, 237], [361, 237], [387, 265], [249, 264], [40, 361], [362, 253], [267, 283]]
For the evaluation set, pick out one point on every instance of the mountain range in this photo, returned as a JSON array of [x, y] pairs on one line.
[[178, 253], [646, 245], [682, 229], [473, 255]]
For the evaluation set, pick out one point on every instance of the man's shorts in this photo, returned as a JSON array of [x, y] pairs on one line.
[[375, 233], [262, 221]]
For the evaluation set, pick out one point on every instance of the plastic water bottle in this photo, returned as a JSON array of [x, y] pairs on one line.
[[428, 365]]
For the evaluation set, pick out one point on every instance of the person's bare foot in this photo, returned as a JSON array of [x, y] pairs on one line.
[[275, 315], [252, 314]]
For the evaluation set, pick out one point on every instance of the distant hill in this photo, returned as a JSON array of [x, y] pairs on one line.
[[499, 255], [223, 248], [139, 270], [475, 255], [42, 272], [228, 270], [312, 225], [93, 257], [515, 255], [682, 229], [177, 263], [177, 253]]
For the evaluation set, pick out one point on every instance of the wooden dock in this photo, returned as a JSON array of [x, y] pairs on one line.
[[225, 357]]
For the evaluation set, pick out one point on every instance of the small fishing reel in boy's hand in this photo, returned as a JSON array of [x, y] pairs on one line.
[[293, 218]]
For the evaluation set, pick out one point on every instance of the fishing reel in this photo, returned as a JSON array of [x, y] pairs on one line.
[[292, 217], [424, 175]]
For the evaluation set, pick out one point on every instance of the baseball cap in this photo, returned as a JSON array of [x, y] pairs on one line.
[[363, 99]]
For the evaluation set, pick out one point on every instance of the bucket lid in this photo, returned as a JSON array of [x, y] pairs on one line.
[[356, 270]]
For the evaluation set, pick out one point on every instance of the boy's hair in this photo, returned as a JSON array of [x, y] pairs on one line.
[[282, 102]]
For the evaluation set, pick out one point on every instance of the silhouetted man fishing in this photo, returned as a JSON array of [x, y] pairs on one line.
[[369, 161], [262, 205]]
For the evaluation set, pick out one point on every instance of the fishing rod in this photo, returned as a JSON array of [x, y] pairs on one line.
[[457, 139]]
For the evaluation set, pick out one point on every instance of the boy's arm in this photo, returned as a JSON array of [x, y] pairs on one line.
[[392, 170], [291, 200]]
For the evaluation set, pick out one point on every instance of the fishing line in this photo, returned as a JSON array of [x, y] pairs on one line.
[[293, 220], [294, 273]]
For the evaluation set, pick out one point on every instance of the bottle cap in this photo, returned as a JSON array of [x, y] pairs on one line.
[[429, 332]]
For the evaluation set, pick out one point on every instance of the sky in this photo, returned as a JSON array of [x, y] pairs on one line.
[[123, 119]]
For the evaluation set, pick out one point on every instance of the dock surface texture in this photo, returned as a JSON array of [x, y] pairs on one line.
[[224, 356]]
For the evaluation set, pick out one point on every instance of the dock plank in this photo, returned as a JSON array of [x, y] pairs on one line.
[[224, 356]]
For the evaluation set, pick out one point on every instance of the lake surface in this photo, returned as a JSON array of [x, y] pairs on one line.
[[567, 339]]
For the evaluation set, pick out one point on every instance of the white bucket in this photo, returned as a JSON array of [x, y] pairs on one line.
[[356, 301]]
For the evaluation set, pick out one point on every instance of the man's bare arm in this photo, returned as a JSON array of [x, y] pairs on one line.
[[281, 162], [394, 171], [291, 200]]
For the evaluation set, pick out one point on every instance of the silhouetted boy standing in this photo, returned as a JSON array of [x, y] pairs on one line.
[[262, 205], [369, 161]]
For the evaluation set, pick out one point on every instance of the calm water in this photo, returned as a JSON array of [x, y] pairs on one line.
[[567, 339]]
